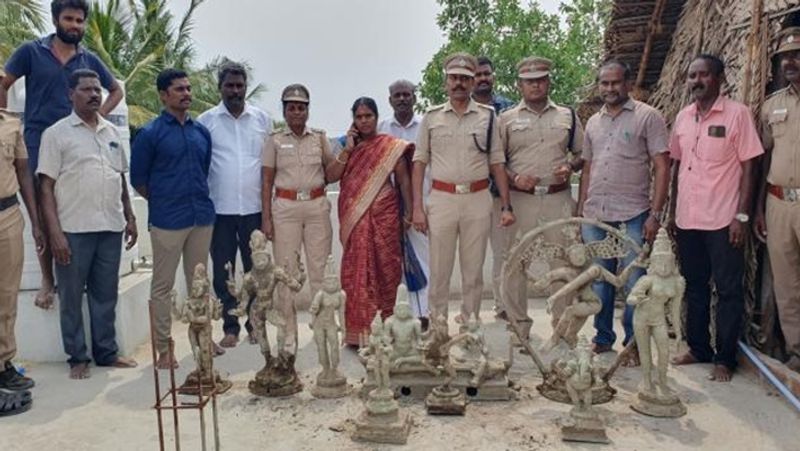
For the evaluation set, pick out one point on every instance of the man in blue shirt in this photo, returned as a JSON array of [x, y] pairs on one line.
[[46, 64], [170, 159]]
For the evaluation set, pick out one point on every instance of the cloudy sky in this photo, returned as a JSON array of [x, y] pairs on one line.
[[340, 49]]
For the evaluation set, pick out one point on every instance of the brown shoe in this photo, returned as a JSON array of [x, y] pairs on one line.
[[229, 341], [601, 349]]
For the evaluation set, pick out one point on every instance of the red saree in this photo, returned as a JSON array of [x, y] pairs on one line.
[[370, 232]]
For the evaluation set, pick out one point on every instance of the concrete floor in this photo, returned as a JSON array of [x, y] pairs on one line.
[[113, 409]]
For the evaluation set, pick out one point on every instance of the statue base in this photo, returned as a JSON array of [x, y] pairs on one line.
[[192, 384], [275, 381], [391, 427], [446, 401], [661, 406], [555, 389], [331, 386], [417, 383], [584, 427]]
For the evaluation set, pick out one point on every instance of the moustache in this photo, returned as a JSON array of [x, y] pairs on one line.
[[698, 87]]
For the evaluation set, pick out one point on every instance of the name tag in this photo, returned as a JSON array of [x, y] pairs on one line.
[[780, 111], [716, 131], [522, 121], [287, 146]]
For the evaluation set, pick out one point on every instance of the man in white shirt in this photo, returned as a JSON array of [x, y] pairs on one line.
[[404, 124], [238, 130]]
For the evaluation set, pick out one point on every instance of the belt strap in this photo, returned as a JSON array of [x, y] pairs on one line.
[[544, 189], [8, 202], [787, 194], [301, 194], [460, 188]]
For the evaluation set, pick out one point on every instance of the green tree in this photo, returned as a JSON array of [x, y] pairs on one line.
[[20, 20], [507, 31]]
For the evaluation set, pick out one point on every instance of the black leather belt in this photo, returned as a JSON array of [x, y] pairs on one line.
[[8, 202]]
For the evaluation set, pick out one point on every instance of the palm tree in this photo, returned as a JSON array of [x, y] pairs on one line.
[[20, 20]]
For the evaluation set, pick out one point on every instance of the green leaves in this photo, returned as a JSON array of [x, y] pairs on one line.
[[507, 31]]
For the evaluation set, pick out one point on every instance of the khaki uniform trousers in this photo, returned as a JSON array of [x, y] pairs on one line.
[[462, 219], [11, 252], [499, 241], [169, 246], [783, 243], [296, 223], [532, 211]]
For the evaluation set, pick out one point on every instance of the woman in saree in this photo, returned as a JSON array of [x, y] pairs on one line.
[[374, 207]]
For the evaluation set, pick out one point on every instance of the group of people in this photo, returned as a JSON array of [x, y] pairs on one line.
[[414, 191]]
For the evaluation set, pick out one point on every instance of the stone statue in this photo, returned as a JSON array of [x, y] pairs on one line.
[[445, 399], [327, 322], [404, 332], [581, 376], [437, 335], [473, 351], [278, 377], [382, 421], [199, 309], [578, 279], [661, 287]]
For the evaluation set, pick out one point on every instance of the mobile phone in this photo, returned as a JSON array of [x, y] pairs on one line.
[[358, 136]]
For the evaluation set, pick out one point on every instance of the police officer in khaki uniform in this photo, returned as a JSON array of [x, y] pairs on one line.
[[780, 192], [294, 162], [461, 141], [14, 177], [538, 136]]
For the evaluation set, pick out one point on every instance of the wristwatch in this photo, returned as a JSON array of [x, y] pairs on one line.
[[742, 217], [507, 208]]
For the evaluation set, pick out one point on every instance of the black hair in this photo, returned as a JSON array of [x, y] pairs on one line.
[[627, 72], [58, 6], [230, 68], [485, 61], [715, 64], [165, 77], [76, 76], [367, 102]]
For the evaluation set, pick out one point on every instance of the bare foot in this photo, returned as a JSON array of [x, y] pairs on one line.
[[684, 359], [720, 373], [793, 363], [632, 359], [230, 341], [45, 297], [164, 362], [218, 350], [79, 371], [124, 362]]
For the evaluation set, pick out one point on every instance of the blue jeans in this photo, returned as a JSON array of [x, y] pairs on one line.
[[93, 266], [604, 321]]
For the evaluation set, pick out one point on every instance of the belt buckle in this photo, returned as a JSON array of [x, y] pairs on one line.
[[540, 190], [304, 195], [792, 194], [463, 188]]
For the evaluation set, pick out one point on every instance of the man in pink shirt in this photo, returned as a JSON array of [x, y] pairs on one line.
[[714, 143]]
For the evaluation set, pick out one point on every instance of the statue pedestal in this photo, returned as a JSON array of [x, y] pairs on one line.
[[555, 389], [655, 405], [584, 427], [446, 401], [191, 386], [273, 381], [382, 420], [330, 386]]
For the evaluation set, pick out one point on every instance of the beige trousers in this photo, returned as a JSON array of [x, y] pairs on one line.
[[168, 247], [11, 254], [461, 220], [499, 241], [783, 242], [532, 211], [306, 224]]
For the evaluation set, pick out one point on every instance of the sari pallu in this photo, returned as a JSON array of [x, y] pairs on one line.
[[371, 231]]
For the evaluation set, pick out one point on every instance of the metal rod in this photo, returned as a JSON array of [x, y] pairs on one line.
[[782, 389], [620, 358], [155, 378], [173, 392]]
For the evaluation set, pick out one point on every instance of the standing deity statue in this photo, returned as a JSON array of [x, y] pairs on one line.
[[378, 352], [654, 296], [582, 377], [199, 309], [278, 377], [327, 322]]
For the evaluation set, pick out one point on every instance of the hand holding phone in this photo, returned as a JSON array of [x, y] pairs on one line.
[[353, 137]]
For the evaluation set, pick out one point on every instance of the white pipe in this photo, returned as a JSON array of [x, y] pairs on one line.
[[782, 389]]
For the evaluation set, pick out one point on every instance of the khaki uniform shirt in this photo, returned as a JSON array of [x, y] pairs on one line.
[[619, 149], [537, 143], [780, 131], [12, 147], [299, 161], [87, 166], [449, 143]]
